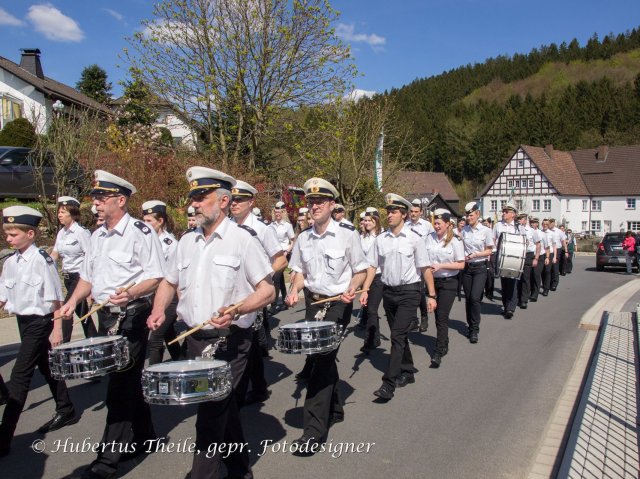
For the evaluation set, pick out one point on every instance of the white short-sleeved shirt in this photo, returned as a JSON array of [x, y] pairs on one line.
[[540, 237], [476, 240], [73, 244], [217, 272], [439, 253], [399, 257], [129, 253], [422, 226], [169, 244], [284, 232], [367, 241], [550, 237], [30, 283], [532, 239], [328, 261], [267, 236]]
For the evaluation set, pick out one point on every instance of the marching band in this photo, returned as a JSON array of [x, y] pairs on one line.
[[218, 279]]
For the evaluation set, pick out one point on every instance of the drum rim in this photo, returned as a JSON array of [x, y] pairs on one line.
[[301, 324], [87, 342], [159, 367]]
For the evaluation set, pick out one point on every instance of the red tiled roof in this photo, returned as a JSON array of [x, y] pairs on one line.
[[559, 168], [610, 171], [53, 88], [421, 183]]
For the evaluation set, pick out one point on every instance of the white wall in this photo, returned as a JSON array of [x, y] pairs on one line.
[[33, 101], [168, 119]]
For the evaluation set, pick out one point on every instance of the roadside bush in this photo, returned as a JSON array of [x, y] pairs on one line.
[[19, 132]]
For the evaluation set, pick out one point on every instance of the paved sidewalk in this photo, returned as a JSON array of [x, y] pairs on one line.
[[604, 437]]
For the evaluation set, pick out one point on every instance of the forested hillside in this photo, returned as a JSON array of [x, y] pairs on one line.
[[468, 120]]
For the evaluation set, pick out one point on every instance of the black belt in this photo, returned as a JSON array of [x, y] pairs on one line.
[[446, 279], [216, 333], [482, 263], [132, 306], [316, 296], [27, 317], [404, 287], [66, 275]]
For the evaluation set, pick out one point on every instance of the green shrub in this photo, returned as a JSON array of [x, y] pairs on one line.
[[19, 132]]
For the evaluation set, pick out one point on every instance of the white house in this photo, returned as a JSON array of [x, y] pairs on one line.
[[592, 190], [25, 92]]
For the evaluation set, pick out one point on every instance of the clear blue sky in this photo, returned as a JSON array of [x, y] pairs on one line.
[[394, 42]]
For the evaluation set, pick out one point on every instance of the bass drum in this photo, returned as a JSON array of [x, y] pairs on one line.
[[510, 258]]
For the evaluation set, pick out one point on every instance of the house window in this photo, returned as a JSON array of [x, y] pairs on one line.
[[631, 204], [584, 226], [536, 205], [596, 205], [494, 205], [585, 205], [11, 110], [596, 225], [510, 183], [633, 226], [530, 182], [520, 163], [519, 205], [517, 183], [546, 205], [502, 204]]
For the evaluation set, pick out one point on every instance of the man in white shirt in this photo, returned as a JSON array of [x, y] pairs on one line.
[[424, 228]]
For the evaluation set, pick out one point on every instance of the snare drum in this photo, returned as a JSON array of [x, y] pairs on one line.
[[186, 382], [88, 358], [309, 337], [512, 251]]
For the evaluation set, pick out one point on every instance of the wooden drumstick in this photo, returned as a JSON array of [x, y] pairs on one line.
[[337, 297], [97, 308], [200, 326]]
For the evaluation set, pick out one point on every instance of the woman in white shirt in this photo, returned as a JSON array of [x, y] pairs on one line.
[[370, 318], [155, 215], [446, 254], [72, 246], [284, 232]]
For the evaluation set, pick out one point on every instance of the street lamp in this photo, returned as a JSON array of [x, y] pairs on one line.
[[58, 106]]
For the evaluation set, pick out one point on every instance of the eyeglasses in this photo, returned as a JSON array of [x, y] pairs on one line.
[[103, 198], [317, 201], [240, 199]]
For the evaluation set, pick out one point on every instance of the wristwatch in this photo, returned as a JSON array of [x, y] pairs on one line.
[[431, 297]]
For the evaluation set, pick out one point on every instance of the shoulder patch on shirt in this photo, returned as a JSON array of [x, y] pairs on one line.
[[46, 256], [251, 231], [416, 232], [306, 229], [142, 227], [348, 226], [168, 240]]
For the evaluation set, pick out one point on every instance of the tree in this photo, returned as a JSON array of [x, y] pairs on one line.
[[235, 66], [137, 99], [93, 83], [19, 132]]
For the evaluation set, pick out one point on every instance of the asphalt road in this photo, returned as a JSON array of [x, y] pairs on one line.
[[481, 414]]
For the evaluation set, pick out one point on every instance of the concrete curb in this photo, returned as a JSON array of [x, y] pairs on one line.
[[554, 440]]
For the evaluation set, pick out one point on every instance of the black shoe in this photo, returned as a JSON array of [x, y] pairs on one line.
[[369, 346], [415, 326], [436, 360], [306, 446], [58, 421], [254, 397], [553, 288], [545, 292], [523, 305], [490, 297], [384, 392], [424, 324], [473, 337], [405, 379], [4, 397], [303, 376], [361, 325], [99, 471], [533, 300], [508, 314]]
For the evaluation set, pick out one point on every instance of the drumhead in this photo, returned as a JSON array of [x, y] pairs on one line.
[[81, 343], [308, 324], [186, 366]]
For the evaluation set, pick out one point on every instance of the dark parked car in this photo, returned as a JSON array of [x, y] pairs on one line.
[[17, 177], [610, 252]]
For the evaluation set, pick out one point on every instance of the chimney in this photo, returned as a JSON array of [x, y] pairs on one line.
[[603, 152], [549, 150], [30, 61]]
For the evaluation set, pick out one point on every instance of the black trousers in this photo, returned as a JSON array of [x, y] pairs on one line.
[[474, 278], [82, 308], [562, 262], [34, 352], [400, 305], [323, 398], [165, 334], [424, 312], [446, 292], [525, 283], [536, 277], [254, 370], [491, 276], [509, 293], [218, 422], [555, 270], [371, 311], [547, 274], [279, 285], [128, 415], [568, 268]]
